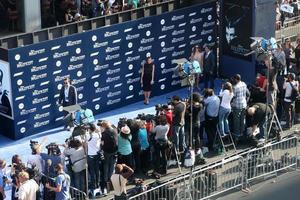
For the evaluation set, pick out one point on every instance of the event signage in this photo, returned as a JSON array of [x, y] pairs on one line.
[[237, 28], [104, 65]]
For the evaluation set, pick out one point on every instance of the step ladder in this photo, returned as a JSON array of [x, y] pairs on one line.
[[226, 141]]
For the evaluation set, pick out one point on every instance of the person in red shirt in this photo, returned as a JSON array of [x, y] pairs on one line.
[[169, 115]]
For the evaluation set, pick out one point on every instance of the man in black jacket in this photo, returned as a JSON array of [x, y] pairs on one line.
[[209, 67], [68, 95]]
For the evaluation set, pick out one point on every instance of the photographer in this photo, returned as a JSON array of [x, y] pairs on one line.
[[258, 113], [211, 103], [161, 145], [144, 155], [124, 146], [62, 184], [2, 179], [16, 168], [288, 102], [93, 138], [35, 159], [109, 147], [119, 180], [76, 153], [194, 110], [225, 108], [178, 123]]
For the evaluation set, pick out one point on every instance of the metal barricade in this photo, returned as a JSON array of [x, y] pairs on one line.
[[199, 184], [77, 194], [234, 172], [270, 159]]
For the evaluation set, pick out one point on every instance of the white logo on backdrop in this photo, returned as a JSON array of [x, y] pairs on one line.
[[96, 84], [162, 65], [19, 82], [209, 17], [80, 96], [78, 50], [17, 57], [194, 28], [95, 61], [148, 54], [97, 106], [162, 87], [21, 106], [58, 63], [59, 86], [209, 38], [94, 38], [22, 130], [162, 44], [162, 22], [61, 108], [148, 33], [79, 73], [130, 67], [130, 87], [130, 45]]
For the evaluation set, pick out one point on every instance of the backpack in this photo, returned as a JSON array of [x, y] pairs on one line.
[[295, 93]]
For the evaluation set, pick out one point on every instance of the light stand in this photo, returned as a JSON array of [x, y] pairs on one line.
[[263, 48]]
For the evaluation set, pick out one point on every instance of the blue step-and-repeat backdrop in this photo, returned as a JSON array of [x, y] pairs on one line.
[[104, 65]]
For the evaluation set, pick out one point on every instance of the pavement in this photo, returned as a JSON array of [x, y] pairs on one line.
[[283, 187]]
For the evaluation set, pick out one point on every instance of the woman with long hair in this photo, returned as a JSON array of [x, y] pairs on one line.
[[197, 55], [147, 78], [225, 108]]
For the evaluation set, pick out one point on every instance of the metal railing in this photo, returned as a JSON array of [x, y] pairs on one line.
[[77, 194], [235, 172], [290, 29], [85, 25]]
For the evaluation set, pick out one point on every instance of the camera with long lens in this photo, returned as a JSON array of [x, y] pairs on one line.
[[122, 122], [53, 149]]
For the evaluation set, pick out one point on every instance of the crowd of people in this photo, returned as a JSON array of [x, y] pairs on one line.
[[283, 14], [66, 11]]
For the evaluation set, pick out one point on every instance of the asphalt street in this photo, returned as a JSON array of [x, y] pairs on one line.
[[284, 187]]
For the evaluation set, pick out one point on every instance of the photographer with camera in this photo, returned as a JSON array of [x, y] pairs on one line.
[[75, 150], [289, 86], [119, 180], [211, 103], [94, 156], [161, 145], [145, 150], [194, 109], [125, 155], [178, 123], [109, 147], [35, 159], [62, 184]]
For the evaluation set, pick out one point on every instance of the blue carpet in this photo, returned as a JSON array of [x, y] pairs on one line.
[[10, 147]]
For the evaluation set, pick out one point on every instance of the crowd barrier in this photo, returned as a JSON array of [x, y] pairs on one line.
[[85, 25], [290, 29], [235, 172], [77, 194]]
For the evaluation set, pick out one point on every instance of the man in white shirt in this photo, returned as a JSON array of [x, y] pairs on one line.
[[28, 188], [288, 103]]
